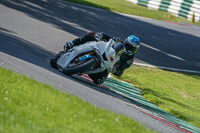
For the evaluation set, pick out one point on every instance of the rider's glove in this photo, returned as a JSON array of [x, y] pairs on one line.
[[68, 46], [117, 39], [98, 36]]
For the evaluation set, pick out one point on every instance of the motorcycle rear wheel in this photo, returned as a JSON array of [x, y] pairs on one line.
[[80, 67]]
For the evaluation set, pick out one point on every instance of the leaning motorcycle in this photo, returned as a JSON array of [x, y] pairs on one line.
[[89, 58]]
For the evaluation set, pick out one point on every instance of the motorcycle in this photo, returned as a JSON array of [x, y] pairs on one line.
[[89, 58]]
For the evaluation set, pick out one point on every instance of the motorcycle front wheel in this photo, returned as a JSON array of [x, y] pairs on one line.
[[53, 61], [80, 67]]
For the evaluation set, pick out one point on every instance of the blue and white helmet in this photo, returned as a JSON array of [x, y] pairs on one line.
[[131, 44]]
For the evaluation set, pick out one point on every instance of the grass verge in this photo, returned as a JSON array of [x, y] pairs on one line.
[[30, 106], [123, 6], [176, 93]]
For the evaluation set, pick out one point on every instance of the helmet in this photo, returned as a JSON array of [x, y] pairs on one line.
[[131, 44]]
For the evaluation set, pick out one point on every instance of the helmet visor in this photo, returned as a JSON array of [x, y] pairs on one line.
[[130, 48]]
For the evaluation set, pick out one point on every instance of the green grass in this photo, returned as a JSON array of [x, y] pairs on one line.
[[176, 93], [30, 106], [123, 6]]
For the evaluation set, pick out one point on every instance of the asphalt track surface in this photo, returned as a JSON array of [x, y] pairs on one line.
[[33, 31]]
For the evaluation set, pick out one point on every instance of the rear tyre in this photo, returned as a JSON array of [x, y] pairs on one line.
[[80, 67]]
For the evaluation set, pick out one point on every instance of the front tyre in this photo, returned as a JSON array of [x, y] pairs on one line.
[[53, 61], [80, 67]]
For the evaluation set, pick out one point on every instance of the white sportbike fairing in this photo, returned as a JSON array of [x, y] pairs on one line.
[[103, 53]]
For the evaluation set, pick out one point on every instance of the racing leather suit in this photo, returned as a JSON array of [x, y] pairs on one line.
[[119, 67]]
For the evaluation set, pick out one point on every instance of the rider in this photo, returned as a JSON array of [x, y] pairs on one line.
[[130, 45]]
